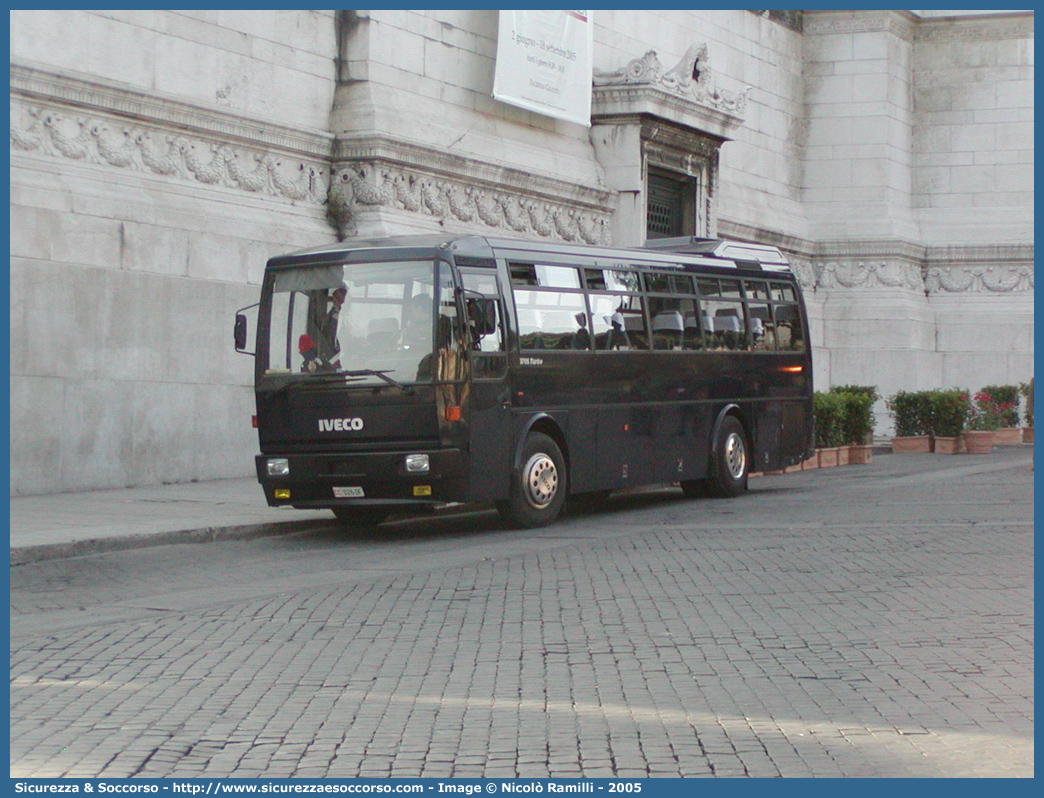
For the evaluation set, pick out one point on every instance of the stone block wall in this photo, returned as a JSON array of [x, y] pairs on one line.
[[973, 140], [156, 163]]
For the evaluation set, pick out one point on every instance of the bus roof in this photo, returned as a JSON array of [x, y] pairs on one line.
[[657, 252]]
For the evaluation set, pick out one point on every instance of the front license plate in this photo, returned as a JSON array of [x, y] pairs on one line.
[[348, 493]]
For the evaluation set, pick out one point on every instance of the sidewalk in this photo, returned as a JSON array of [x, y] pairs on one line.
[[75, 524]]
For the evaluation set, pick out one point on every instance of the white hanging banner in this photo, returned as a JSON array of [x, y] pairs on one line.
[[545, 64]]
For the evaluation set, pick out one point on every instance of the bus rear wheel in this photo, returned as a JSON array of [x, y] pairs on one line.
[[538, 488], [729, 466], [731, 460], [360, 516]]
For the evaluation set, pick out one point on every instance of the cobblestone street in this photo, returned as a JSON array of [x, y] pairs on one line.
[[861, 621]]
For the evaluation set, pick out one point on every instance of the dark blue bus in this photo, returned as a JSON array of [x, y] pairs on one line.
[[427, 370]]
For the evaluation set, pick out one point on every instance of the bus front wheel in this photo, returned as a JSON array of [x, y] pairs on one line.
[[360, 516], [538, 488], [729, 466]]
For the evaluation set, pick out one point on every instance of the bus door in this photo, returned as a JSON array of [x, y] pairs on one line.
[[489, 415]]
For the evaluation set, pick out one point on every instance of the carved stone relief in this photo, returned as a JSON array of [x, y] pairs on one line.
[[691, 78], [804, 270], [979, 279], [999, 278], [359, 185], [871, 274], [97, 139], [94, 123]]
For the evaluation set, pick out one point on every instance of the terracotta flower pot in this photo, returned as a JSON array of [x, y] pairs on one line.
[[1007, 435], [828, 457], [978, 441], [910, 445], [860, 455], [949, 445]]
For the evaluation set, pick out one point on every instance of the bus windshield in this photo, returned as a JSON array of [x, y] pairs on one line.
[[360, 319]]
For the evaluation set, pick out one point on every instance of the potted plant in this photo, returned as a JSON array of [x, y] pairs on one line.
[[1006, 397], [828, 415], [912, 414], [857, 421], [949, 412], [985, 416]]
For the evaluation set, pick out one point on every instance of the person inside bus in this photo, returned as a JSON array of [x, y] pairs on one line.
[[328, 346], [581, 338], [416, 323], [617, 338], [309, 353]]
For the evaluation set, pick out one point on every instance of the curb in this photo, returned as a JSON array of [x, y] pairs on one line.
[[25, 555]]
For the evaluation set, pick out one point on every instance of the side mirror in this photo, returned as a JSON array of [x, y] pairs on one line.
[[482, 313], [240, 332]]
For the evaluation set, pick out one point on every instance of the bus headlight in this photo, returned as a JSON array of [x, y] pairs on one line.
[[278, 467], [417, 463]]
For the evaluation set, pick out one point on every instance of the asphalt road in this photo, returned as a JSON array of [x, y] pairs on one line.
[[862, 621]]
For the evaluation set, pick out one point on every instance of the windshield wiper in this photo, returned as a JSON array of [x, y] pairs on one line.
[[381, 374], [314, 379], [343, 376]]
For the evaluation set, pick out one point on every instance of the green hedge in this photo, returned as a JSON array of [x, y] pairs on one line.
[[912, 412], [859, 418], [843, 418], [949, 411], [869, 390], [829, 414]]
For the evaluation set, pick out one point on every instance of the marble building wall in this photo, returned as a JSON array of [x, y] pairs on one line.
[[159, 157]]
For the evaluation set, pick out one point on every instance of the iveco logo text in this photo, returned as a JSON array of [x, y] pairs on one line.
[[340, 424]]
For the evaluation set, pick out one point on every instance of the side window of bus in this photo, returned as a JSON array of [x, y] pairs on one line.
[[550, 307], [723, 315], [762, 327], [485, 316], [618, 322], [551, 320], [673, 309], [759, 315], [617, 310], [789, 335]]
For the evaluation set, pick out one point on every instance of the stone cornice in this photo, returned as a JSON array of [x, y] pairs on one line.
[[746, 232], [912, 28], [900, 23], [958, 29], [887, 248], [97, 96], [983, 254], [622, 104]]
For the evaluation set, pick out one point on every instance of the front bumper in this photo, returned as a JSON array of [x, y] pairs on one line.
[[364, 478]]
